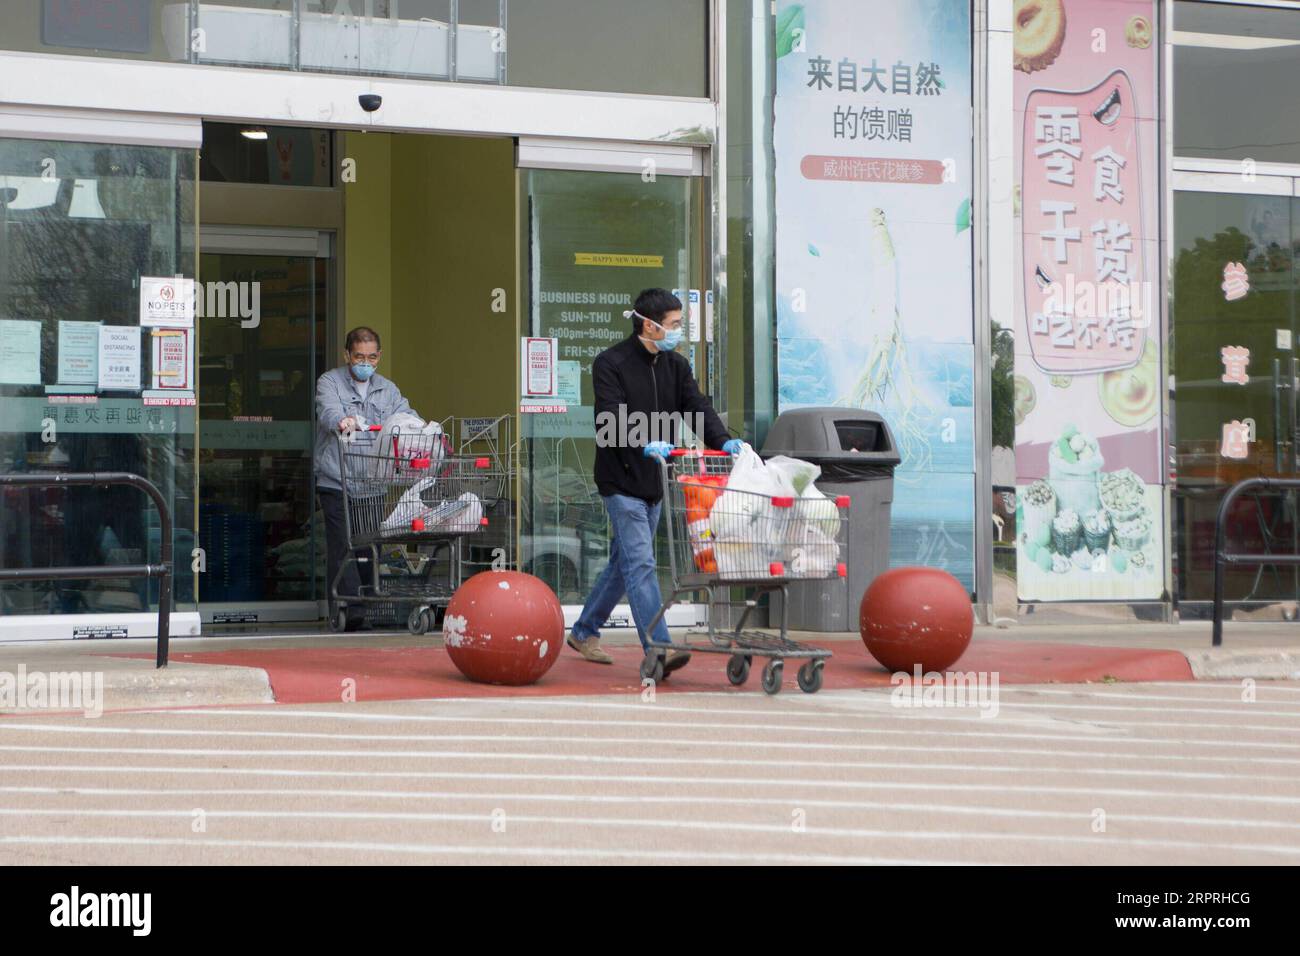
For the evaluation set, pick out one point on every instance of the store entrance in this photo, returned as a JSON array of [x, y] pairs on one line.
[[260, 351], [1234, 375]]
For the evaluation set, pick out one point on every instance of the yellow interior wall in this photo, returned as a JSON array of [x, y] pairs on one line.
[[365, 248], [452, 244]]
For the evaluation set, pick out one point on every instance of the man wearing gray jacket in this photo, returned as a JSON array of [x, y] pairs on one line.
[[347, 397]]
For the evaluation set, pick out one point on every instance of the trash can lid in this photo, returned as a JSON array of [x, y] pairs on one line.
[[833, 434]]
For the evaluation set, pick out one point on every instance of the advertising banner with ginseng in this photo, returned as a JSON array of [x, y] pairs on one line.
[[1089, 524], [874, 288]]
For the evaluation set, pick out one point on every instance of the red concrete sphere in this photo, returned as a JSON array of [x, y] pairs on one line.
[[503, 627], [912, 616]]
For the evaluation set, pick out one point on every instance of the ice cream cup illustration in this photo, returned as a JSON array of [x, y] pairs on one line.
[[1073, 463], [1067, 532], [1123, 495], [1096, 531], [1039, 507]]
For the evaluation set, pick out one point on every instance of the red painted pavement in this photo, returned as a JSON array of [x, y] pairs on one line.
[[316, 674]]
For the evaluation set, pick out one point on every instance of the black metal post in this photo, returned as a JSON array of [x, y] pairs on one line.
[[163, 571], [1221, 556]]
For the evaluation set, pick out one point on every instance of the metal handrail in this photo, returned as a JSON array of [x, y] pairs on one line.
[[163, 571], [1222, 558]]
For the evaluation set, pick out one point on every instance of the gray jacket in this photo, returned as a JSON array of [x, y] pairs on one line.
[[336, 399]]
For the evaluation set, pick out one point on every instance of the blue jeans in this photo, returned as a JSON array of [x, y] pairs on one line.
[[631, 571]]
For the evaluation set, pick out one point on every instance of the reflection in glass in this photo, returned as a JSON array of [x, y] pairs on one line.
[[564, 532], [257, 517], [1234, 82], [79, 225], [1213, 232]]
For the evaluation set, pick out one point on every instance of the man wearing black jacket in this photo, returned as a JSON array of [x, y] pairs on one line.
[[644, 390]]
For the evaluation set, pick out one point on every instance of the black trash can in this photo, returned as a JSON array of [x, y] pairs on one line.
[[857, 455]]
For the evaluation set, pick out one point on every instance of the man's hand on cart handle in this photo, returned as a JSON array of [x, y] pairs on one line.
[[732, 446], [657, 449], [353, 424]]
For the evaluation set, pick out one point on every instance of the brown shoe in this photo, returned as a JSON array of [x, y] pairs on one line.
[[590, 650], [675, 660]]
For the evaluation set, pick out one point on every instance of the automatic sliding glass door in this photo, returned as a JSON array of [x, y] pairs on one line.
[[594, 240], [258, 524]]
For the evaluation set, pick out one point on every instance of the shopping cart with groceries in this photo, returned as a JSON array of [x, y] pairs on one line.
[[410, 499], [730, 531]]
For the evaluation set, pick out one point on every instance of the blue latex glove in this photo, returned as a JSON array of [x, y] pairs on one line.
[[659, 449], [733, 445]]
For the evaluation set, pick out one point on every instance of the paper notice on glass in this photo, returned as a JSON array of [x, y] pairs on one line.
[[166, 301], [20, 352], [568, 382], [681, 296], [78, 353], [694, 313], [538, 367], [119, 358], [708, 316], [171, 359]]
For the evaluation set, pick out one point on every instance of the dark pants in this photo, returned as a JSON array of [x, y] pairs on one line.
[[336, 548]]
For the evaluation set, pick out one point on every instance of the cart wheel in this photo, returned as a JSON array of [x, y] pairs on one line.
[[652, 667], [738, 669], [419, 620], [772, 676], [810, 677], [339, 621]]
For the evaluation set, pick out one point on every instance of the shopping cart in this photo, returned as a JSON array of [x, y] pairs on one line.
[[720, 538], [404, 491]]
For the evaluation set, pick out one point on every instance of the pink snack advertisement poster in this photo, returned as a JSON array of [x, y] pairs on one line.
[[1087, 326]]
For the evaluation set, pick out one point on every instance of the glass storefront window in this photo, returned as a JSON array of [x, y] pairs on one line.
[[648, 234], [1216, 394], [616, 46], [1234, 82], [80, 224]]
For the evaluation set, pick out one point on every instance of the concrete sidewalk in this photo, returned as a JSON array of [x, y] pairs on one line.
[[240, 668]]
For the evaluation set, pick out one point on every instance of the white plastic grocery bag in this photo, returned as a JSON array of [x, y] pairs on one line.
[[462, 516], [810, 553], [744, 511], [797, 475], [409, 507], [405, 436]]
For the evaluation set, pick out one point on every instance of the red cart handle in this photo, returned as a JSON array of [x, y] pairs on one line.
[[711, 453]]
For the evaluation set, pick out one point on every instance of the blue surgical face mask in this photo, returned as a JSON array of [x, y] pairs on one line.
[[363, 371], [672, 337]]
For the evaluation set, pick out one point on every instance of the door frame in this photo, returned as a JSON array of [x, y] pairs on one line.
[[264, 241]]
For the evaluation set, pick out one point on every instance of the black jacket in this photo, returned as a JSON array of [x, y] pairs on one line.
[[628, 379]]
